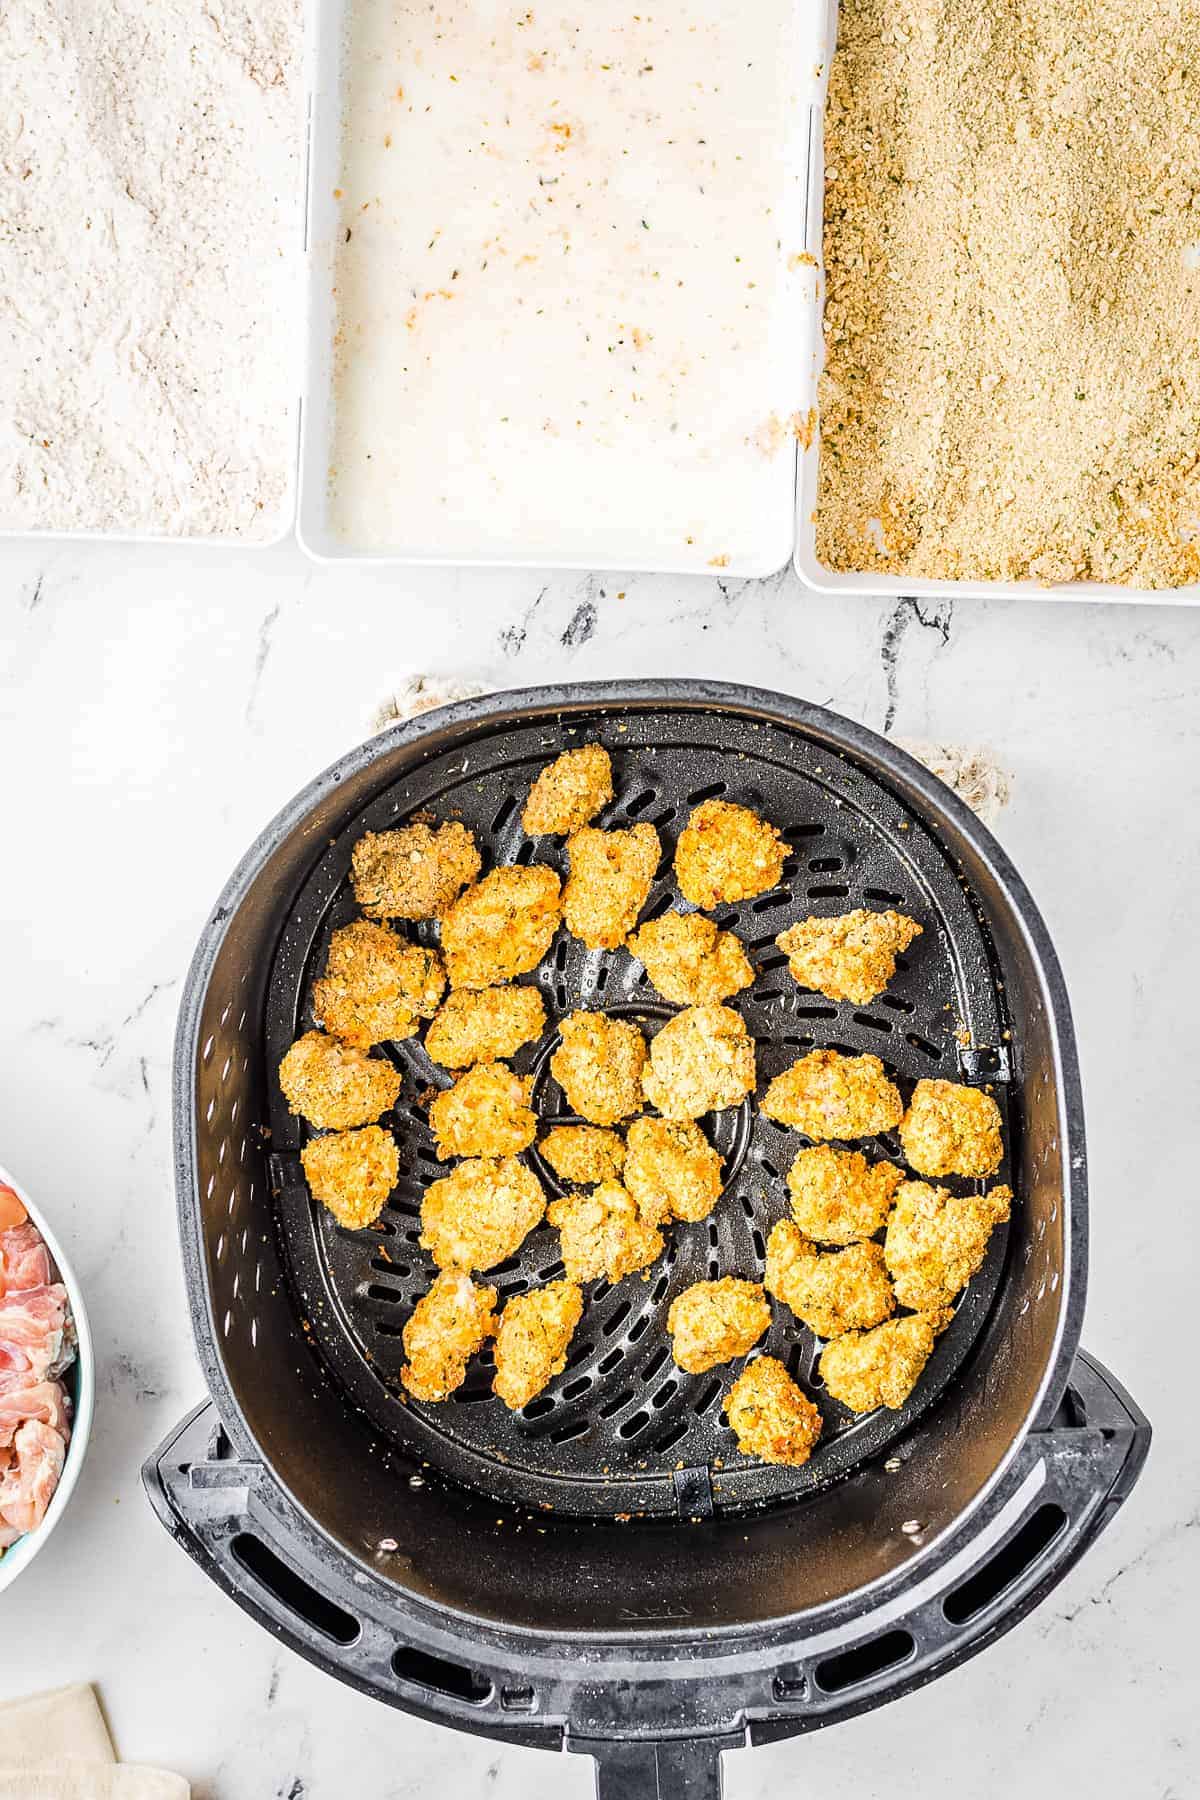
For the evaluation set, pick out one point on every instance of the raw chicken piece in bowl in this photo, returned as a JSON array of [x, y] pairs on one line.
[[46, 1380]]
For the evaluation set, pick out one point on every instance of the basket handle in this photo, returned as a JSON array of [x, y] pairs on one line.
[[674, 1769]]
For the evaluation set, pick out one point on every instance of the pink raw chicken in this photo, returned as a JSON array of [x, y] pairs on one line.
[[29, 1481], [45, 1401], [24, 1259], [37, 1342], [32, 1324]]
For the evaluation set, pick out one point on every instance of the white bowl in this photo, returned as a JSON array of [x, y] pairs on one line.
[[80, 1383]]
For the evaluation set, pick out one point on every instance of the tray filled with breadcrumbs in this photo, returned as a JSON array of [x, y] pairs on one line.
[[1003, 246]]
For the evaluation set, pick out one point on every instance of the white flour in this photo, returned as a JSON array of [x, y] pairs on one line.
[[150, 287]]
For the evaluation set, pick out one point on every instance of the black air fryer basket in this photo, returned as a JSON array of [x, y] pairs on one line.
[[603, 1572]]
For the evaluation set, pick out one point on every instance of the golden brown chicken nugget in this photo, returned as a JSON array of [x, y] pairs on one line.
[[610, 876], [584, 1154], [480, 1213], [838, 1196], [832, 1291], [603, 1233], [376, 985], [501, 927], [485, 1113], [852, 957], [335, 1086], [448, 1325], [569, 792], [727, 853], [689, 961], [936, 1241], [771, 1417], [701, 1060], [531, 1344], [484, 1025], [352, 1173], [713, 1321], [413, 872], [950, 1129], [598, 1065], [672, 1170], [881, 1367], [827, 1095]]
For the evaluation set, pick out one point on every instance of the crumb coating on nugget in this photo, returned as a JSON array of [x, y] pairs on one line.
[[584, 1154], [485, 1113], [711, 1322], [413, 872], [531, 1344], [481, 1213], [448, 1326], [334, 1086], [611, 873], [951, 1129], [771, 1417], [501, 927], [603, 1233], [352, 1173], [701, 1060], [376, 985], [852, 957], [598, 1065], [830, 1292], [881, 1367], [838, 1196], [827, 1095], [569, 792], [672, 1170], [936, 1241], [484, 1025], [689, 961], [727, 853]]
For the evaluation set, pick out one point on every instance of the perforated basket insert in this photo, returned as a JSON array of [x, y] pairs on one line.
[[623, 1430]]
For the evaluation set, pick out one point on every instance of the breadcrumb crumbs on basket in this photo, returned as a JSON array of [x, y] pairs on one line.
[[1011, 386]]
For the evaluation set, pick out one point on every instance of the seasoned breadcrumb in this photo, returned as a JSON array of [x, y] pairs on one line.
[[672, 1170], [485, 1113], [569, 792], [937, 1240], [838, 1196], [448, 1325], [603, 1233], [852, 957], [727, 853], [598, 1065], [689, 961], [480, 1213], [701, 1060], [335, 1086], [584, 1154], [950, 1129], [610, 876], [413, 872], [376, 985], [352, 1173], [881, 1367], [501, 927], [771, 1417], [531, 1344], [840, 1290], [826, 1095], [711, 1322], [483, 1026]]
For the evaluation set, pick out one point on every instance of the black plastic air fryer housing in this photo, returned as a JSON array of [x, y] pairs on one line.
[[375, 1545]]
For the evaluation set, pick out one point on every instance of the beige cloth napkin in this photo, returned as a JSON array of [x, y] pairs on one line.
[[56, 1746]]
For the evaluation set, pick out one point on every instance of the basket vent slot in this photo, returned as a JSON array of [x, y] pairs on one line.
[[292, 1591], [443, 1677], [850, 1668], [1008, 1565]]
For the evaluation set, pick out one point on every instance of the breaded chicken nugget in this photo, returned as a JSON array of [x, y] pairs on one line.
[[950, 1129], [584, 1154], [598, 1065], [413, 872], [485, 1113], [841, 1290], [569, 792], [610, 876], [484, 1026], [937, 1240], [376, 986], [689, 961], [838, 1196], [771, 1417], [881, 1367], [334, 1086], [852, 957], [826, 1095], [531, 1344], [603, 1233], [672, 1170], [480, 1213], [352, 1173], [448, 1325], [701, 1060], [727, 853], [713, 1321], [501, 927]]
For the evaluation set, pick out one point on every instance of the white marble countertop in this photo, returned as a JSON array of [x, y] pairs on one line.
[[158, 705]]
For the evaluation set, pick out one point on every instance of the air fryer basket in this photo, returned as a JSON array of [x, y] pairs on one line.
[[604, 1570]]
